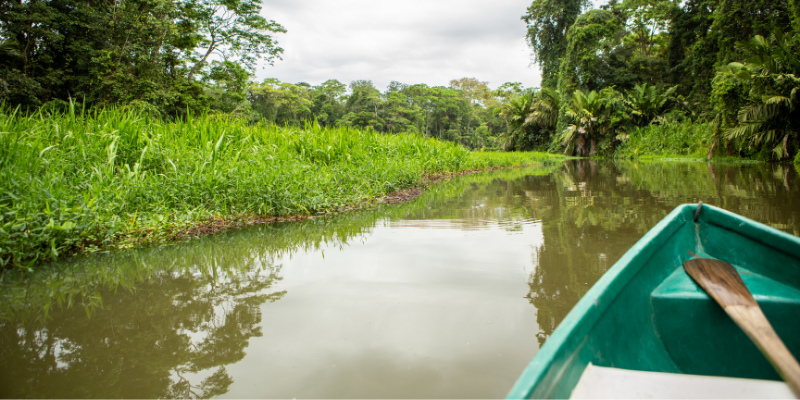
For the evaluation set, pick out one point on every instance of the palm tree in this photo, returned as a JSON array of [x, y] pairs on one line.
[[544, 113], [646, 102], [515, 112], [771, 71], [584, 112], [595, 116], [531, 117]]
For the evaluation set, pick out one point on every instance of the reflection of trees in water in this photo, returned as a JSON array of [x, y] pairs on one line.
[[164, 322], [168, 336], [593, 212]]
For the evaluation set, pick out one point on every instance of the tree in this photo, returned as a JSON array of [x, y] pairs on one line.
[[233, 28], [281, 102], [362, 106], [646, 19], [476, 91], [399, 112], [690, 55], [795, 10], [123, 51], [227, 84], [584, 113], [771, 73], [544, 112], [328, 108], [522, 133], [741, 20], [548, 22], [594, 34], [594, 116]]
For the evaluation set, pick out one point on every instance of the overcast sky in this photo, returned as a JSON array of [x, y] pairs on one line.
[[410, 41]]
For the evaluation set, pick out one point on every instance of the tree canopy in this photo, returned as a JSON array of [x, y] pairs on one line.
[[123, 51], [641, 62]]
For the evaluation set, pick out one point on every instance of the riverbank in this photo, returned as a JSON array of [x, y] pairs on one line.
[[82, 182], [676, 140], [686, 141]]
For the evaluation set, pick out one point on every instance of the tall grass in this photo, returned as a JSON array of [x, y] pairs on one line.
[[82, 179], [676, 139]]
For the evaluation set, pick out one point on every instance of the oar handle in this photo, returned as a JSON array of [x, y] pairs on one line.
[[757, 327]]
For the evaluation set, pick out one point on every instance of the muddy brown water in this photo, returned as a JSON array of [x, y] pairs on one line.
[[450, 295]]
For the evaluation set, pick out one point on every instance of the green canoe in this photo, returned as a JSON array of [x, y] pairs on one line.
[[646, 313]]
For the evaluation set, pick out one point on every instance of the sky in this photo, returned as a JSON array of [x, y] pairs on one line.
[[410, 41]]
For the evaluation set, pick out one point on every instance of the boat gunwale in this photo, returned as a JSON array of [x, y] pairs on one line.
[[585, 314]]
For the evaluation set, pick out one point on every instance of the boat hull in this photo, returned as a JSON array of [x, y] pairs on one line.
[[646, 314]]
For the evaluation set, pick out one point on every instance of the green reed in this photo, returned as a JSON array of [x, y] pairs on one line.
[[93, 179]]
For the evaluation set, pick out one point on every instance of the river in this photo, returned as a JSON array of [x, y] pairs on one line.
[[449, 295]]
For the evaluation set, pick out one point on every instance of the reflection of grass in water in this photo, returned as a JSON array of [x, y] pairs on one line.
[[30, 295], [457, 185], [448, 200], [693, 181]]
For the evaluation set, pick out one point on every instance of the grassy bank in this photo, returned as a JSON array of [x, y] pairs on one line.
[[84, 181], [677, 140]]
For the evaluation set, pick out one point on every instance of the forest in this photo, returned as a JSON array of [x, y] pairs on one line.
[[720, 75], [635, 77]]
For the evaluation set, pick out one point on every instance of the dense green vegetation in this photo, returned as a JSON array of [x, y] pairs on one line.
[[77, 179], [685, 139], [607, 73], [467, 112], [170, 57], [154, 53], [647, 70]]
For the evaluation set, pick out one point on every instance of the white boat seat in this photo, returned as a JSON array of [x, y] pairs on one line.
[[614, 383]]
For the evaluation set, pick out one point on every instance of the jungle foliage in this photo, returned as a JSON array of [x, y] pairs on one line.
[[729, 66], [605, 73], [142, 52], [170, 57], [466, 112]]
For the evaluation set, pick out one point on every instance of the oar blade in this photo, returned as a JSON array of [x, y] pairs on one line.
[[721, 281]]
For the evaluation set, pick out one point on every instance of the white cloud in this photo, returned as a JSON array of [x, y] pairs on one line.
[[411, 41]]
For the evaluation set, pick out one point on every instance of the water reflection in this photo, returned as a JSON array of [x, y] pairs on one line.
[[168, 335], [426, 299], [593, 212]]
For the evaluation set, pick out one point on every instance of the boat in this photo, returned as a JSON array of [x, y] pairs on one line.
[[646, 329]]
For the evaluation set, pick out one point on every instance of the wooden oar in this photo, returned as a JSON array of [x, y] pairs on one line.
[[721, 281]]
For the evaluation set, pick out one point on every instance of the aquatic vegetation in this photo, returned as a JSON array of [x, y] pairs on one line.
[[83, 180]]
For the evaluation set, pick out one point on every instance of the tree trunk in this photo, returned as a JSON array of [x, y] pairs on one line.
[[205, 57], [426, 123], [569, 150], [580, 146], [711, 151], [593, 150]]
